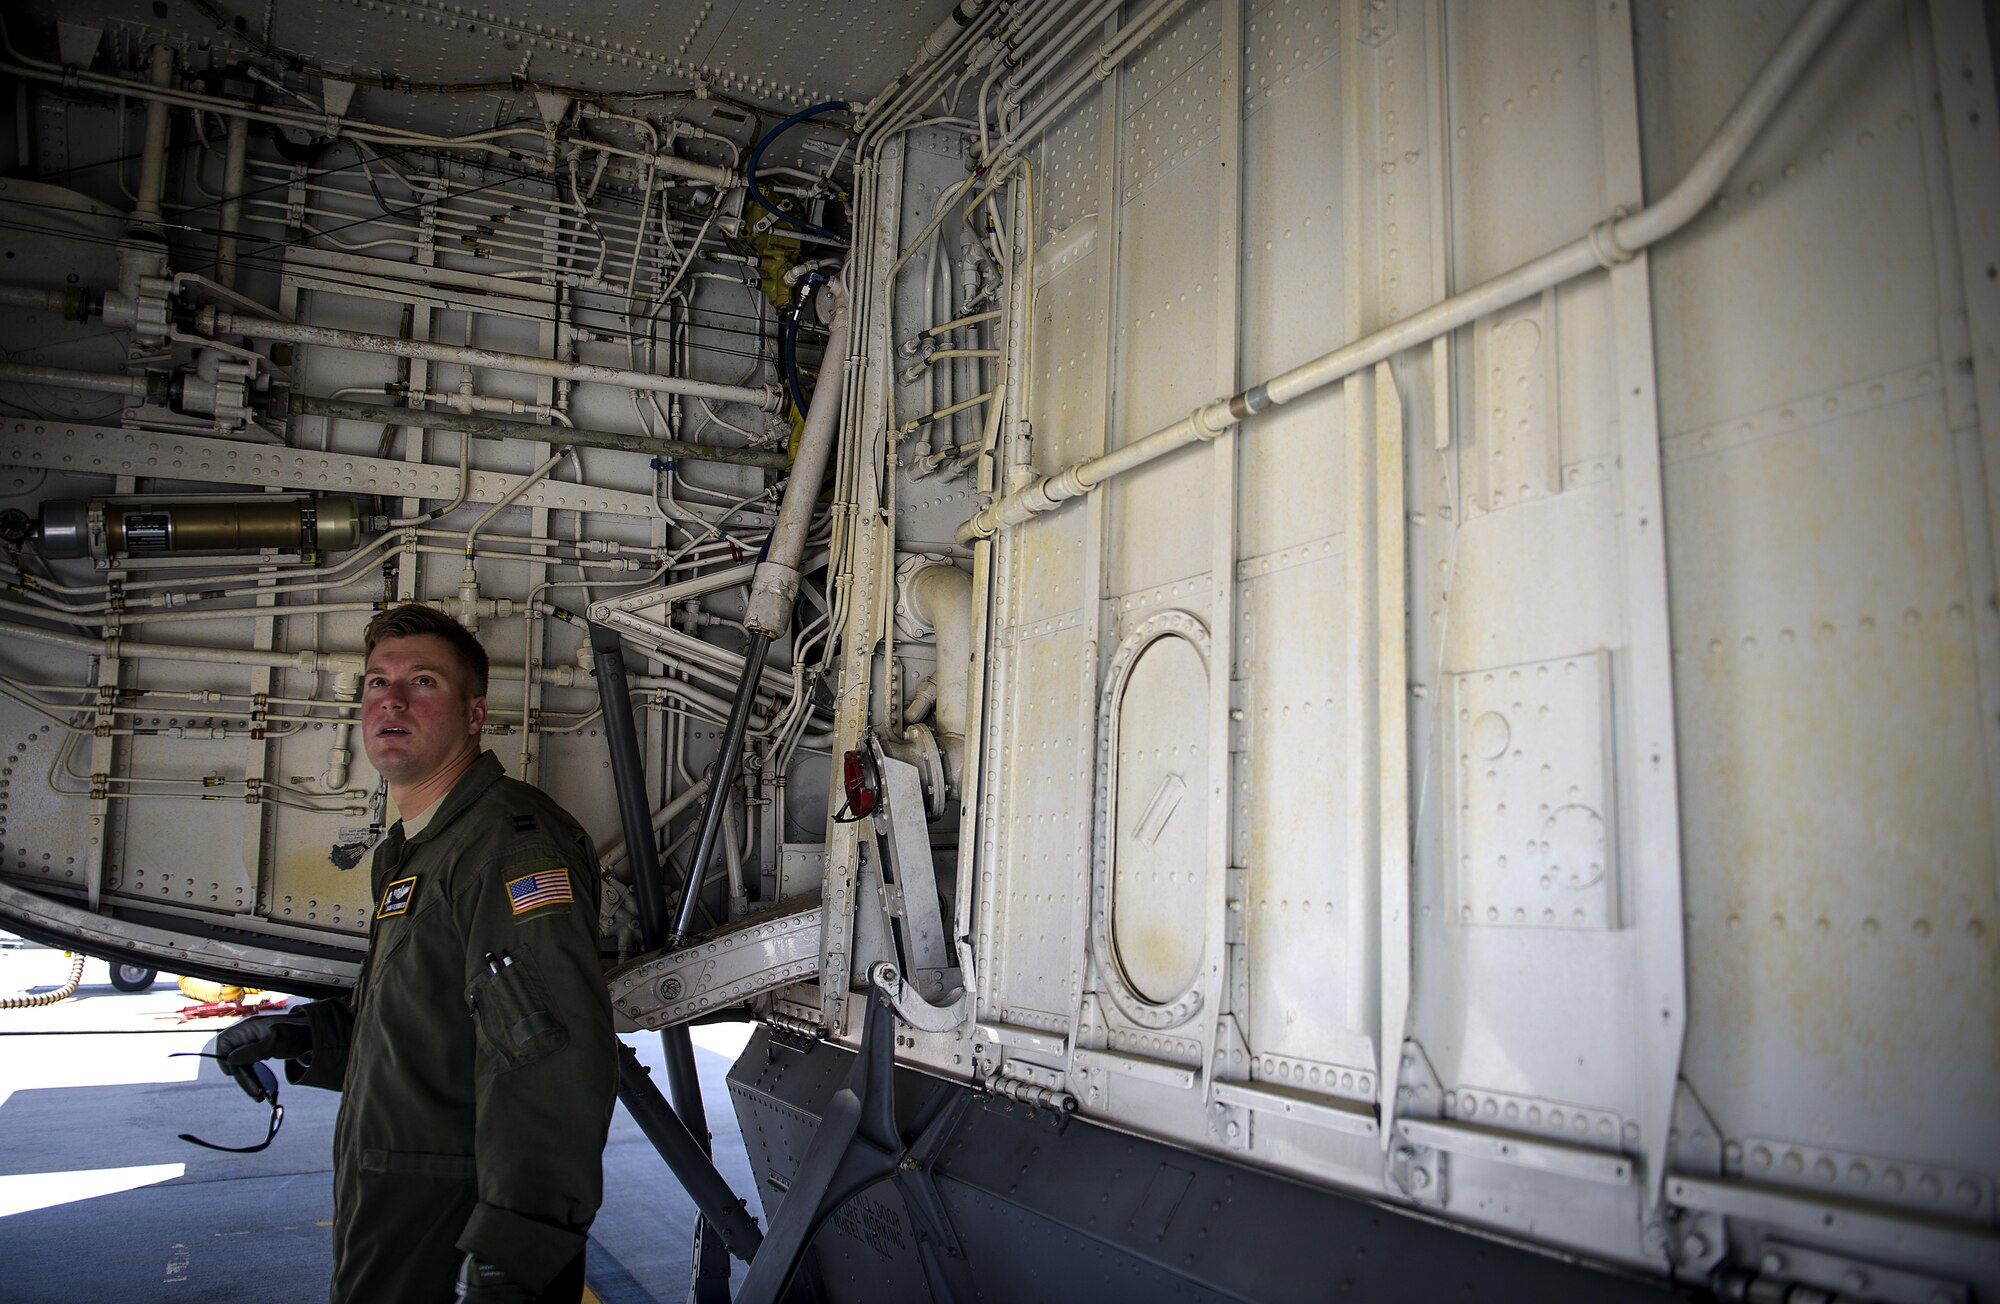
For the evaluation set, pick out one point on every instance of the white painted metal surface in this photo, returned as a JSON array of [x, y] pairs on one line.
[[1549, 779]]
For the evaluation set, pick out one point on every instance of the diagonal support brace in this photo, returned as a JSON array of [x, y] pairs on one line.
[[709, 1190]]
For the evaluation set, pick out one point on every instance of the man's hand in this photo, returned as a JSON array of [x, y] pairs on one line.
[[480, 1282], [258, 1038]]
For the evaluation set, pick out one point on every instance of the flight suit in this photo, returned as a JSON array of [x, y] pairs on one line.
[[475, 1054]]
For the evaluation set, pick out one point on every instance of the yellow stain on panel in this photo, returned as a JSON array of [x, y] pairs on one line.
[[1840, 848]]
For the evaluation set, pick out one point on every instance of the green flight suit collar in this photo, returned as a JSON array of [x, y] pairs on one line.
[[478, 777]]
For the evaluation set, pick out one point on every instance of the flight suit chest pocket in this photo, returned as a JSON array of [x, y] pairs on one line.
[[510, 1008]]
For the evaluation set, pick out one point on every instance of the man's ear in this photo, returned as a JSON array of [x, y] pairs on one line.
[[478, 713]]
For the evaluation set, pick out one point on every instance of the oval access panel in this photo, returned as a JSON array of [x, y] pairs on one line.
[[1159, 884]]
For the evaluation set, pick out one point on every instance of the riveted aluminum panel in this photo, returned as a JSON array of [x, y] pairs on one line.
[[1292, 292], [1300, 913], [1068, 419], [1747, 317], [42, 831], [1532, 831], [1044, 881], [1066, 190], [1523, 574], [1838, 859], [1524, 131], [1157, 520]]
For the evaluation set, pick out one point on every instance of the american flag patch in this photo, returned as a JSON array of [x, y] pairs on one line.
[[548, 888]]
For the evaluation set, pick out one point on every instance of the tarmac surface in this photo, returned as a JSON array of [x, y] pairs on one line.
[[100, 1200]]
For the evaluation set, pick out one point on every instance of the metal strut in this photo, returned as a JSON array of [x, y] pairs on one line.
[[857, 1145], [709, 1189], [635, 1086]]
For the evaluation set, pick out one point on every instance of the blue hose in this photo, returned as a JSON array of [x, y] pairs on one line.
[[757, 152]]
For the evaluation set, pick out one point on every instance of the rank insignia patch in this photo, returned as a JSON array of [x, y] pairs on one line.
[[548, 888], [396, 897], [524, 824]]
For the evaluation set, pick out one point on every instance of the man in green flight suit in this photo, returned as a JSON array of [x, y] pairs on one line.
[[475, 1054]]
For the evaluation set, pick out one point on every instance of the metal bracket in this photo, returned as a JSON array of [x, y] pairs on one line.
[[1420, 1094], [755, 955], [1784, 1261], [913, 1009], [1231, 1125], [900, 825], [295, 198], [1694, 1242], [1417, 1170]]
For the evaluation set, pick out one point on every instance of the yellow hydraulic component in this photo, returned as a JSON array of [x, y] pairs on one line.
[[777, 253], [208, 993]]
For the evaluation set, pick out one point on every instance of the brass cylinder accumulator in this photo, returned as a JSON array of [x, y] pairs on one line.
[[109, 527]]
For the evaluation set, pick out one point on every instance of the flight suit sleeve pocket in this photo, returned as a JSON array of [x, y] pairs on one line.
[[511, 1012]]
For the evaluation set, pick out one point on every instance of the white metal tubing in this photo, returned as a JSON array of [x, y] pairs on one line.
[[946, 32], [309, 662], [102, 382], [508, 499], [775, 685], [21, 296], [1606, 244], [892, 109], [615, 852], [153, 162], [941, 596], [1057, 102], [185, 614], [1034, 36], [956, 322], [234, 159], [346, 691], [43, 71], [216, 321], [1047, 55], [709, 174], [776, 583]]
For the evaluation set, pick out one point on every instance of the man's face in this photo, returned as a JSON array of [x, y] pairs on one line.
[[416, 713]]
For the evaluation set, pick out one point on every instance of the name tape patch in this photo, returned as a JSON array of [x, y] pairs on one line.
[[549, 887], [396, 897]]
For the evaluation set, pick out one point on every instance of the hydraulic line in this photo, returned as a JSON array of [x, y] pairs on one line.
[[774, 588], [149, 384], [1612, 241], [234, 163], [153, 162], [491, 428], [717, 808], [73, 303], [62, 993], [217, 322], [750, 171]]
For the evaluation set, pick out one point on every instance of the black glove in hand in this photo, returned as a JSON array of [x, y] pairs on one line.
[[480, 1282], [261, 1037]]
